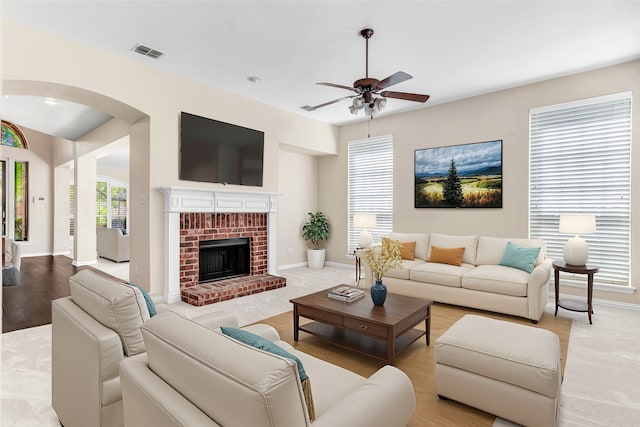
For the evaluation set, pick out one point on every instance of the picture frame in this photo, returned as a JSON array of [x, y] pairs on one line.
[[459, 176]]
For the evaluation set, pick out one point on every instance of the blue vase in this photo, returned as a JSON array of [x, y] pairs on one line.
[[378, 293]]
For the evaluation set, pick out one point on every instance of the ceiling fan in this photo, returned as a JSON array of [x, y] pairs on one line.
[[368, 95]]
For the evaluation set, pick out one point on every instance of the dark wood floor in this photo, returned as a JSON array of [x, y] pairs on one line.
[[42, 279]]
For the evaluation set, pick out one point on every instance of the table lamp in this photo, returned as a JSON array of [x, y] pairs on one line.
[[364, 221], [576, 250]]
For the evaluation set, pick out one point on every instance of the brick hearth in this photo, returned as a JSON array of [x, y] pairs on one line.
[[195, 227], [221, 290]]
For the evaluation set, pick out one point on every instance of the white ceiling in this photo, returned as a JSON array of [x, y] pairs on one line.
[[453, 49]]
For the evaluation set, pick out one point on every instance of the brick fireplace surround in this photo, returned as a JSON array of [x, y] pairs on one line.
[[195, 227], [191, 215]]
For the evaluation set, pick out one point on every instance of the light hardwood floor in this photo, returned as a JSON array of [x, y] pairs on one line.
[[418, 362]]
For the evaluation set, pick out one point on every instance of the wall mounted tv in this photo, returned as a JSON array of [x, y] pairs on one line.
[[213, 151]]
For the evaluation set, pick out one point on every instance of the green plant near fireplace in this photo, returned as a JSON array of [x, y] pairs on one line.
[[315, 230]]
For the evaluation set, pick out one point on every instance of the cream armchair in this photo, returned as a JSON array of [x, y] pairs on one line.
[[93, 330], [192, 375], [112, 244]]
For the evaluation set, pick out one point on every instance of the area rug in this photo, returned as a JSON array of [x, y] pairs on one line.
[[418, 362]]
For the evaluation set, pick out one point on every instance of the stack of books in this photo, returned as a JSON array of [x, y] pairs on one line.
[[346, 293]]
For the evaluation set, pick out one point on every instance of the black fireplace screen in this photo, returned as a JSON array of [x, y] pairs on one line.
[[224, 259]]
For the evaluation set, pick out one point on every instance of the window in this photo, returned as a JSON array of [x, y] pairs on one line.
[[72, 210], [15, 184], [371, 185], [111, 203], [580, 162]]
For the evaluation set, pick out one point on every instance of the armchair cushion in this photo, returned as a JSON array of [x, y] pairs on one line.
[[116, 305]]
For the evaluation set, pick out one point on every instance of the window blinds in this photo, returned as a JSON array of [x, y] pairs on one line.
[[580, 162], [371, 185]]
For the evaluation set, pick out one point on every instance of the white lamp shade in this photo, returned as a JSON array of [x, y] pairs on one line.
[[577, 224], [364, 220]]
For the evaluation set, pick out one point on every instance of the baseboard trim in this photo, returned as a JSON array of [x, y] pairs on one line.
[[83, 263], [290, 266], [339, 265]]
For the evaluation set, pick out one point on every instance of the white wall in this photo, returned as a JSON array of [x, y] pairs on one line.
[[40, 157], [298, 184], [500, 115]]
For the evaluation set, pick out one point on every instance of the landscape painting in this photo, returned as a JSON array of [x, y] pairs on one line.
[[459, 176]]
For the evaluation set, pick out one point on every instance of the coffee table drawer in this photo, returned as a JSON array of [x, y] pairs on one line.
[[323, 316], [366, 328]]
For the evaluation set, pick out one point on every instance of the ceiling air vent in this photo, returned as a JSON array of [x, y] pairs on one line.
[[146, 51]]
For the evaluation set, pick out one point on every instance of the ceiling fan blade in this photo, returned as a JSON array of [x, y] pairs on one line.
[[406, 96], [315, 107], [338, 86], [393, 79]]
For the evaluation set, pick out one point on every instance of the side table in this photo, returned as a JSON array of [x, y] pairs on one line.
[[358, 266], [571, 304]]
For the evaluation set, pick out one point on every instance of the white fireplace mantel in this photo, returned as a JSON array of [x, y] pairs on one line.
[[179, 200]]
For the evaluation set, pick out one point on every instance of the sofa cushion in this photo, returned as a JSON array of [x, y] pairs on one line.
[[439, 274], [497, 279], [452, 256], [116, 305], [331, 383], [403, 271], [421, 239], [519, 257], [491, 249], [470, 244]]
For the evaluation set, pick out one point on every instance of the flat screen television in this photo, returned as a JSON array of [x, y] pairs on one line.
[[218, 152]]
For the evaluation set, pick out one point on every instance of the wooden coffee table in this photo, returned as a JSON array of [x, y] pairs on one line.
[[382, 332]]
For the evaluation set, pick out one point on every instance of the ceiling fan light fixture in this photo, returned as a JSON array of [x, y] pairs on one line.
[[358, 103]]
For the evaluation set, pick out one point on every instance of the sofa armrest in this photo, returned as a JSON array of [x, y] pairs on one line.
[[386, 399], [538, 289]]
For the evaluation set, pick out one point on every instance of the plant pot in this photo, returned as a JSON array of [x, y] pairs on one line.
[[315, 258]]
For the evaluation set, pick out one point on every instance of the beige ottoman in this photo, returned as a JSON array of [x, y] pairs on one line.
[[506, 369]]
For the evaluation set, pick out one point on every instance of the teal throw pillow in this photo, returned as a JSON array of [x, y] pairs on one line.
[[518, 257], [263, 344], [151, 306]]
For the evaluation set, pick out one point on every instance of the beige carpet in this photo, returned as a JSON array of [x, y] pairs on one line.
[[600, 380]]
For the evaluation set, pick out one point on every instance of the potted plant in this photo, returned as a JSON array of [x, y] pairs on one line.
[[315, 230]]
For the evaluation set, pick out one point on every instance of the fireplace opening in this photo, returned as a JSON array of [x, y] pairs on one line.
[[224, 259]]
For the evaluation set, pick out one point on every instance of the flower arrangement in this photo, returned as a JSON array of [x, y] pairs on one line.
[[382, 258]]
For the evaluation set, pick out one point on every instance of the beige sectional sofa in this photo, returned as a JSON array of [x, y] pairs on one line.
[[479, 282], [193, 375]]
